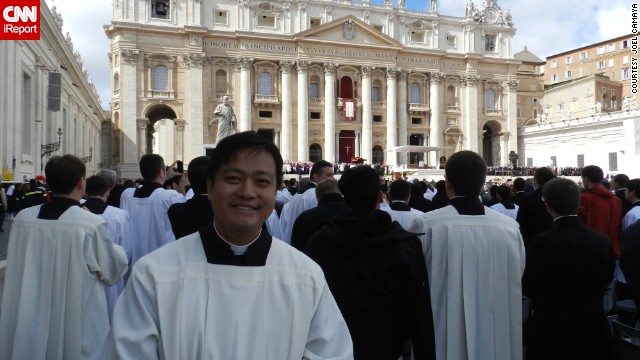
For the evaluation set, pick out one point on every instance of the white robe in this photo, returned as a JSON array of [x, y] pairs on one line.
[[178, 306], [273, 225], [404, 218], [149, 219], [54, 305], [475, 264], [512, 213], [631, 217], [291, 210], [119, 223]]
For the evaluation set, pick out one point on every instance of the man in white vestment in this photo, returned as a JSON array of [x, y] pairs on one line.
[[475, 259], [230, 291], [149, 205], [400, 193], [505, 205], [59, 256], [119, 223], [632, 194]]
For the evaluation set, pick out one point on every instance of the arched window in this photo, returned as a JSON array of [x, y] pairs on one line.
[[116, 82], [490, 99], [415, 93], [160, 78], [265, 84], [378, 155], [221, 82], [375, 91]]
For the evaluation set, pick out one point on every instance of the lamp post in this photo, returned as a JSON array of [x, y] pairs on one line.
[[86, 159], [48, 149]]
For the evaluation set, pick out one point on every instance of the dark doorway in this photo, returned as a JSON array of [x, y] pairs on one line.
[[346, 88], [378, 155], [347, 146], [490, 156], [315, 153], [416, 157]]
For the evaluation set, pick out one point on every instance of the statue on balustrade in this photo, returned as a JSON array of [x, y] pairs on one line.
[[227, 122]]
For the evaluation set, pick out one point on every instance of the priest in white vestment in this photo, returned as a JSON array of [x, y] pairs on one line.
[[59, 257], [400, 193], [475, 260], [149, 205], [230, 291]]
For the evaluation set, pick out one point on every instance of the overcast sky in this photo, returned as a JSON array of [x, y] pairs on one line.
[[546, 27]]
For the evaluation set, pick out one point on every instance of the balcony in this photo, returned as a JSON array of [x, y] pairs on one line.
[[266, 99], [160, 94], [453, 109], [493, 112], [316, 101], [379, 103], [418, 108]]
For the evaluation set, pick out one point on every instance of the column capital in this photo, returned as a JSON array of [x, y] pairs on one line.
[[511, 85], [141, 123], [302, 66], [470, 80], [180, 124], [245, 63], [330, 68], [129, 56], [194, 59], [392, 72], [436, 78], [404, 73], [285, 65], [366, 70]]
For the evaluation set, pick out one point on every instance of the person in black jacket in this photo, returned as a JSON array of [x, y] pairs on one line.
[[186, 218], [376, 271], [518, 191], [567, 272], [630, 260], [532, 214]]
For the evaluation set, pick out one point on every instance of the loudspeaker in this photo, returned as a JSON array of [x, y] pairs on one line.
[[54, 91]]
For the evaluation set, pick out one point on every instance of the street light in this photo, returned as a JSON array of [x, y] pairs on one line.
[[48, 149], [86, 159]]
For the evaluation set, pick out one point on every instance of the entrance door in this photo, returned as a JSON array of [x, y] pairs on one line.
[[487, 146], [347, 146], [416, 157], [346, 88]]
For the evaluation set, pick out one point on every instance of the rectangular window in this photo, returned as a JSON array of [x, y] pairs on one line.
[[600, 50], [541, 69], [490, 43], [568, 60], [554, 64], [451, 41], [625, 44], [554, 78], [267, 21], [625, 74], [613, 161], [583, 55], [265, 114], [377, 118], [529, 162], [315, 90], [567, 74], [580, 160], [416, 121], [600, 65], [611, 62], [221, 17], [314, 23], [611, 47], [315, 115], [554, 162], [375, 93], [625, 60], [27, 113], [417, 37]]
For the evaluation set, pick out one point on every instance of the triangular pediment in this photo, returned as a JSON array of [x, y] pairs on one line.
[[348, 30]]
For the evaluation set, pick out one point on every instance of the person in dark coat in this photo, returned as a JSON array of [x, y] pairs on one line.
[[417, 200], [186, 218], [619, 187], [567, 272], [330, 205], [630, 260], [376, 271], [533, 217], [440, 199], [518, 191]]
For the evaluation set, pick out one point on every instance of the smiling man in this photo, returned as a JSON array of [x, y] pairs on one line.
[[229, 291]]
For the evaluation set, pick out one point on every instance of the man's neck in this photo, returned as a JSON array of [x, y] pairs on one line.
[[75, 196]]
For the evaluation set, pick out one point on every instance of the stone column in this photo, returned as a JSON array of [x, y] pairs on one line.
[[329, 111], [131, 150], [471, 138], [402, 115], [245, 94], [511, 88], [141, 137], [357, 145], [367, 115], [276, 137], [337, 144], [505, 140], [179, 141], [392, 124], [285, 140], [435, 105], [194, 144], [303, 111]]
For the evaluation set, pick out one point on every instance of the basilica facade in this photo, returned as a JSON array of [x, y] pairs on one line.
[[327, 80]]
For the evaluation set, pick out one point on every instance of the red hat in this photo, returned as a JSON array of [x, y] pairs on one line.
[[40, 178]]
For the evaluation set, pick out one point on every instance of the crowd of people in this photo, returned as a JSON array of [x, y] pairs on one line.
[[230, 260]]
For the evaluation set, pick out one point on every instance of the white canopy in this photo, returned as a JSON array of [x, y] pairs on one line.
[[416, 148]]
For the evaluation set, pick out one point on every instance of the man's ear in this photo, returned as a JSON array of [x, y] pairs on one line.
[[81, 184]]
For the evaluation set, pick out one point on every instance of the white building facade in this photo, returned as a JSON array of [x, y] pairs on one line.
[[30, 119], [326, 80]]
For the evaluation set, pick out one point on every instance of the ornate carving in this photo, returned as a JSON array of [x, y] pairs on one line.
[[302, 6], [365, 16], [141, 124], [470, 80], [285, 65], [511, 85], [378, 134], [302, 66], [245, 63], [328, 10], [349, 30], [57, 17], [195, 59], [392, 73], [404, 73], [436, 78], [330, 68], [110, 59], [469, 28], [129, 56], [366, 70], [390, 17], [315, 132]]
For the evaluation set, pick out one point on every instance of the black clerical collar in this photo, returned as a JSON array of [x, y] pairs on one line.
[[147, 188], [218, 251], [56, 207], [467, 205], [95, 205], [399, 205]]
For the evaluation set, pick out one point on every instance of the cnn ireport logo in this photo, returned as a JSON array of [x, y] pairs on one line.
[[19, 19]]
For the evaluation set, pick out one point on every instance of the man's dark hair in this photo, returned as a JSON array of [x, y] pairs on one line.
[[292, 182], [543, 175], [360, 186], [400, 190], [329, 186], [168, 184], [621, 180], [197, 174], [150, 166], [504, 192], [593, 173], [466, 171], [230, 146], [63, 173], [562, 195], [97, 186], [441, 186], [519, 184], [634, 185], [317, 168]]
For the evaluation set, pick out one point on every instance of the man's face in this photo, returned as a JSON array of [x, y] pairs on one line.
[[225, 100], [243, 195], [325, 173]]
